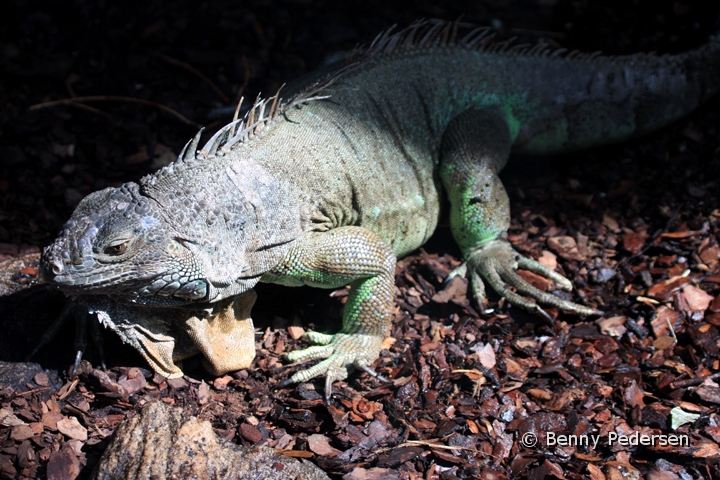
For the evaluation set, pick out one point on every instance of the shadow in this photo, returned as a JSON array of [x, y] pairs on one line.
[[26, 315]]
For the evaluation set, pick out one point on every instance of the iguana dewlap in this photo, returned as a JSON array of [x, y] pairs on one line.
[[223, 333], [327, 188]]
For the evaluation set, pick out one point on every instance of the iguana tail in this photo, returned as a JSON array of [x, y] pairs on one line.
[[703, 67], [616, 98]]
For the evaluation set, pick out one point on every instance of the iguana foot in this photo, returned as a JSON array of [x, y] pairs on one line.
[[341, 352], [85, 323], [497, 262]]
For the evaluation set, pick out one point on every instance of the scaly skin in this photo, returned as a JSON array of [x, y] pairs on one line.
[[328, 188]]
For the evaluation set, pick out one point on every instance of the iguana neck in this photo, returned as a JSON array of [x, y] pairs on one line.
[[236, 219]]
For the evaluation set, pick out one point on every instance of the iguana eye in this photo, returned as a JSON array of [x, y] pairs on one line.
[[117, 249]]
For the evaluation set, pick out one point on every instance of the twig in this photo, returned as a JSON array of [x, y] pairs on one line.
[[31, 391], [689, 382], [98, 431], [295, 453], [82, 106], [438, 446], [69, 390], [198, 74], [114, 98], [672, 330], [75, 410]]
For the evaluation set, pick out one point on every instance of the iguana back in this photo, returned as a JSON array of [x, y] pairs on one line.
[[369, 153]]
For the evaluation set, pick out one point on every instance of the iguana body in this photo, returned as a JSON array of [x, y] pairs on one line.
[[329, 188]]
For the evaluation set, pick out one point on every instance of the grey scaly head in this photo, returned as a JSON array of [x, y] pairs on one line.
[[117, 241], [170, 239]]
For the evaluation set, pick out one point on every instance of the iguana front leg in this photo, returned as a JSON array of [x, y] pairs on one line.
[[474, 149], [345, 255]]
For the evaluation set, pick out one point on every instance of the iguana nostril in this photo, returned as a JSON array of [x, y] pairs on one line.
[[57, 266], [51, 266]]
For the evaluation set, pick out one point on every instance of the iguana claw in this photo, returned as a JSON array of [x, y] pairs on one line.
[[497, 262], [340, 352]]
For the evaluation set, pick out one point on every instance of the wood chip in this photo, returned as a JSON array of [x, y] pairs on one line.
[[203, 393], [72, 428], [319, 444], [566, 247], [697, 299], [41, 379], [486, 355], [63, 465], [295, 332], [21, 433], [613, 326]]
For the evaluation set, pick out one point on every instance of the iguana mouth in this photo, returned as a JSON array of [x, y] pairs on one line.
[[94, 281], [130, 283], [180, 288]]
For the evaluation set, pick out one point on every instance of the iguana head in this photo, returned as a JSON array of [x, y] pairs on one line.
[[204, 228], [117, 243]]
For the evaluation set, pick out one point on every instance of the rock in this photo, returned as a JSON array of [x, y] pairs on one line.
[[18, 272], [164, 442], [19, 376]]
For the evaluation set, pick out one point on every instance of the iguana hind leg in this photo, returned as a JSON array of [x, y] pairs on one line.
[[332, 259], [474, 149]]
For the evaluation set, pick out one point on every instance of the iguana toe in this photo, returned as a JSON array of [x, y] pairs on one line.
[[497, 263], [319, 338], [310, 353]]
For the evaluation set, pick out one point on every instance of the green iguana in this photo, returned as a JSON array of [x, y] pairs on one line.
[[329, 187]]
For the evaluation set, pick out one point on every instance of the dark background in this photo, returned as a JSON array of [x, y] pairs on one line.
[[50, 50]]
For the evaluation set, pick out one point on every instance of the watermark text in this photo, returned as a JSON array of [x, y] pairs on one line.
[[553, 439]]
